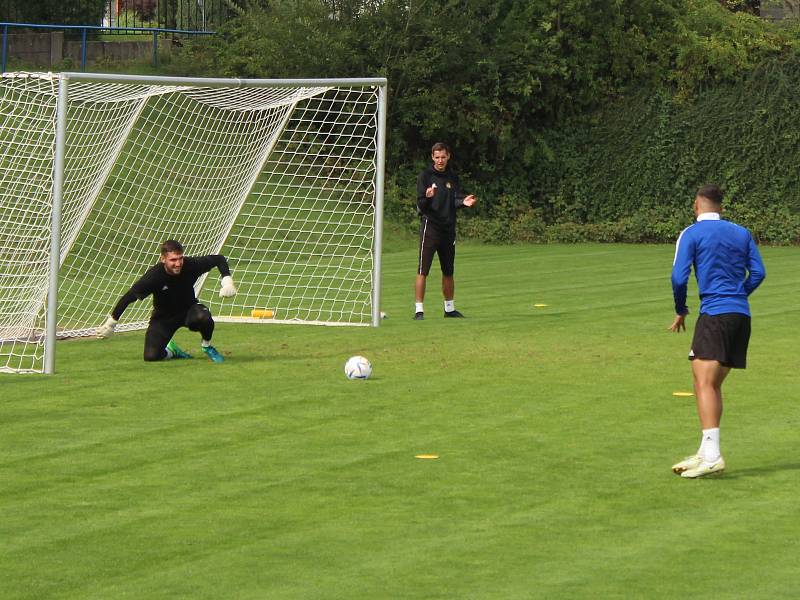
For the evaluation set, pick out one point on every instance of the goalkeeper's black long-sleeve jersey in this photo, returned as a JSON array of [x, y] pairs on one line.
[[441, 209], [172, 294]]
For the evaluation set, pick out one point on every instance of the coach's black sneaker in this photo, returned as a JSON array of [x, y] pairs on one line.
[[454, 314], [420, 316]]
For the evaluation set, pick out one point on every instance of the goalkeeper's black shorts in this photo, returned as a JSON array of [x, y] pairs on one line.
[[162, 327]]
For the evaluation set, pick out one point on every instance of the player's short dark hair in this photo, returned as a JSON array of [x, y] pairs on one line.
[[171, 246], [711, 192], [439, 146]]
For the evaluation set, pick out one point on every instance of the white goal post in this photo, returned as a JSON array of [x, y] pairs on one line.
[[283, 177]]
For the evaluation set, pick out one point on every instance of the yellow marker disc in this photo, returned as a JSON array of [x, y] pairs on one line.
[[683, 394], [540, 305], [427, 456], [259, 313]]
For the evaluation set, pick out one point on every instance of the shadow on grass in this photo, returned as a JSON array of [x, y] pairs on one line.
[[761, 471]]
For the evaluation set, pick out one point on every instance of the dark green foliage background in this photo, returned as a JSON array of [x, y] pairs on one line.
[[571, 119], [628, 171], [55, 12]]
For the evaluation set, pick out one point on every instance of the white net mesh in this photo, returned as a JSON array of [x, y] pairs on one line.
[[280, 180]]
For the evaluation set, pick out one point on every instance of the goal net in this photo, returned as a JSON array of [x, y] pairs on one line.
[[284, 178]]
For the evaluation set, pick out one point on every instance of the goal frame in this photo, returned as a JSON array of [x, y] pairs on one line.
[[65, 78]]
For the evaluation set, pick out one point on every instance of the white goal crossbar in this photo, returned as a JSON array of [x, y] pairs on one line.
[[283, 177]]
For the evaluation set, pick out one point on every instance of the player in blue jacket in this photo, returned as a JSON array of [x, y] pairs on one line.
[[728, 268]]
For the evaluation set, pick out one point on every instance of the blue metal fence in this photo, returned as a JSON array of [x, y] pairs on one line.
[[84, 29]]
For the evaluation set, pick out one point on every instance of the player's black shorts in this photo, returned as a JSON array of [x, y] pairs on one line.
[[162, 327], [723, 338], [433, 240]]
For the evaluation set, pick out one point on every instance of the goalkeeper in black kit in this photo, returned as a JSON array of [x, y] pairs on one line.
[[171, 282]]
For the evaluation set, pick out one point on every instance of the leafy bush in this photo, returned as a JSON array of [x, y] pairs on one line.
[[640, 160], [137, 18], [715, 45], [56, 12], [768, 222], [577, 119]]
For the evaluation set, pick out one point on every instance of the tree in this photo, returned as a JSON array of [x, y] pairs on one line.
[[749, 6], [488, 76], [57, 12]]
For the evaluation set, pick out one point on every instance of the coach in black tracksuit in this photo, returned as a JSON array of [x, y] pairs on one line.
[[438, 197]]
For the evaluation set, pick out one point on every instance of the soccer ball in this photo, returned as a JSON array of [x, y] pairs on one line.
[[357, 367]]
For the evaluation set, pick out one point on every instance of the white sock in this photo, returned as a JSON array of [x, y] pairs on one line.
[[709, 445], [205, 343], [418, 307], [169, 354], [449, 305]]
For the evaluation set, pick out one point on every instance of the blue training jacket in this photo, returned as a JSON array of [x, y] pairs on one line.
[[727, 265]]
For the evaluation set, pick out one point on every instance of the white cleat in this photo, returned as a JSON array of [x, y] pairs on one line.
[[690, 462], [705, 468]]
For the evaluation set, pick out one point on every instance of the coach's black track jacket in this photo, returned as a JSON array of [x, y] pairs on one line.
[[441, 209]]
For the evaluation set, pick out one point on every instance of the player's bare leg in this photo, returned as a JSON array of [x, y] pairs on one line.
[[708, 377], [449, 292], [419, 288], [419, 295], [448, 287]]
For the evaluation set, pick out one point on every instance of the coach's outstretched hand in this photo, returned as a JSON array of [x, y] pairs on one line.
[[228, 289], [106, 330]]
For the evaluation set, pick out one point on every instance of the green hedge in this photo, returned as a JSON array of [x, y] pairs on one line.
[[56, 12], [628, 172], [645, 155], [577, 119]]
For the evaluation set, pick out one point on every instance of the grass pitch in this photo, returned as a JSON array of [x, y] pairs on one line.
[[273, 476]]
